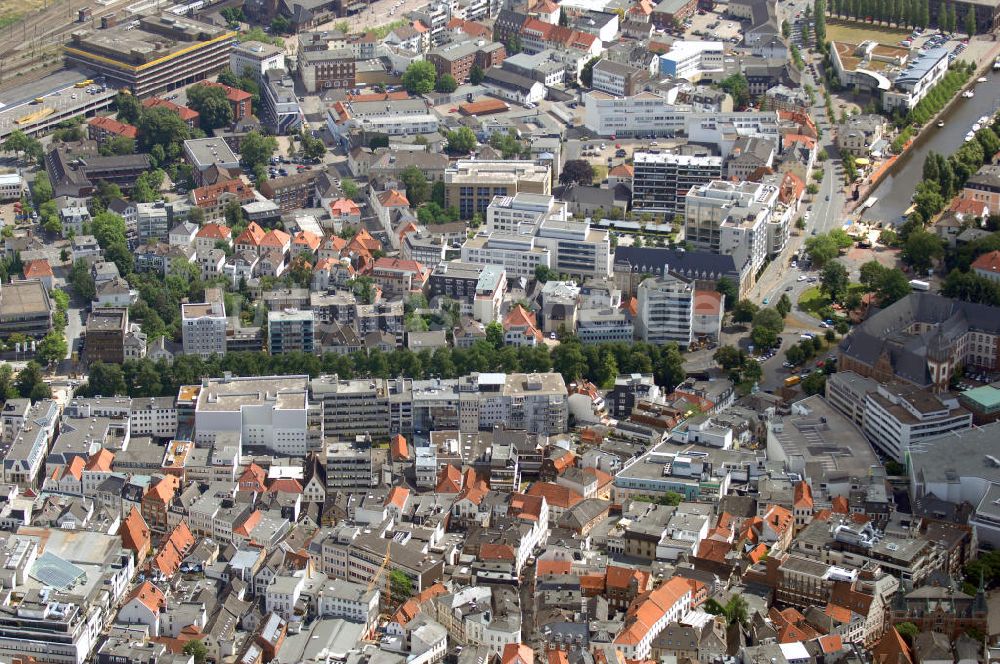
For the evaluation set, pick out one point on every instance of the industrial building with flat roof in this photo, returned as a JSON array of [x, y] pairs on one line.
[[162, 53], [25, 307]]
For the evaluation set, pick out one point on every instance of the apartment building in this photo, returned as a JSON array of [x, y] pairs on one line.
[[213, 198], [397, 117], [731, 218], [106, 331], [471, 185], [290, 192], [479, 289], [457, 59], [280, 110], [518, 255], [152, 222], [327, 69], [661, 181], [270, 412], [255, 58], [290, 331], [203, 328], [665, 310]]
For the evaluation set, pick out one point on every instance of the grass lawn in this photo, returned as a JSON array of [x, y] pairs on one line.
[[855, 33], [813, 300]]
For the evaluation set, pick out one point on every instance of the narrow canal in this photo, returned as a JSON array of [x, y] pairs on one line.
[[894, 193]]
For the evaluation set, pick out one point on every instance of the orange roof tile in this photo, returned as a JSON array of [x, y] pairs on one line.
[[496, 552], [275, 239], [555, 495], [344, 207], [449, 480], [545, 567], [75, 467], [112, 126], [392, 198], [248, 524], [593, 583], [517, 653], [622, 171], [37, 269], [134, 532], [213, 231], [285, 485], [757, 553], [101, 461], [838, 613], [989, 262], [803, 496], [149, 595], [840, 505], [306, 239], [186, 113], [252, 235], [831, 643], [398, 496], [168, 558], [398, 448]]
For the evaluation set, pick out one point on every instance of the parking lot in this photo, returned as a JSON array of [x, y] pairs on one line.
[[712, 25]]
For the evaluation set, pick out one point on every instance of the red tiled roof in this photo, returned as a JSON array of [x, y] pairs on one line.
[[449, 481], [556, 495], [186, 113], [398, 496], [168, 558], [208, 196], [491, 551], [113, 126], [517, 653], [150, 596], [840, 505], [252, 235], [101, 460], [544, 567], [275, 239], [803, 496], [232, 94], [393, 198], [344, 207], [989, 262], [285, 485], [398, 448], [134, 532], [37, 269], [306, 239], [213, 231]]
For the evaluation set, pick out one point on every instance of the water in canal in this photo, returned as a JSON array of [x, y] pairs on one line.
[[896, 190]]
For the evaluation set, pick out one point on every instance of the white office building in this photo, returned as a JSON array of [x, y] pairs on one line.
[[271, 412], [665, 310], [898, 416], [731, 218], [203, 328], [655, 113], [693, 60], [255, 58], [11, 186]]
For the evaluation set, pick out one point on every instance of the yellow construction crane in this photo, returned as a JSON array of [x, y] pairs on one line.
[[382, 570]]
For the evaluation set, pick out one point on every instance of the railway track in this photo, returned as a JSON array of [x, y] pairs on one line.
[[32, 48]]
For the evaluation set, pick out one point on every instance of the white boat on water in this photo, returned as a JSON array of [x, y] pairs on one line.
[[968, 94], [996, 64], [985, 120], [977, 127], [981, 79], [940, 123], [970, 137]]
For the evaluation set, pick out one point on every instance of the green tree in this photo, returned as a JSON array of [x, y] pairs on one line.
[[834, 280], [41, 188], [744, 311], [970, 20], [350, 189], [257, 149], [461, 140], [400, 586], [786, 29], [751, 371], [212, 106], [767, 325], [312, 148], [577, 171], [378, 141], [280, 25], [52, 348], [446, 84], [544, 274], [417, 187], [821, 249], [784, 305], [729, 357], [80, 280], [728, 290], [476, 75], [738, 88], [814, 383], [196, 648], [161, 126], [129, 108], [921, 249], [419, 77], [118, 145], [30, 383], [495, 334], [908, 631], [587, 72]]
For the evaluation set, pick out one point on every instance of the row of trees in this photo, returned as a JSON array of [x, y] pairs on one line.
[[598, 363], [909, 13], [943, 92], [421, 78]]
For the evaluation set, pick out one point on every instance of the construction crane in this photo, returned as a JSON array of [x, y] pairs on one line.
[[381, 570]]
